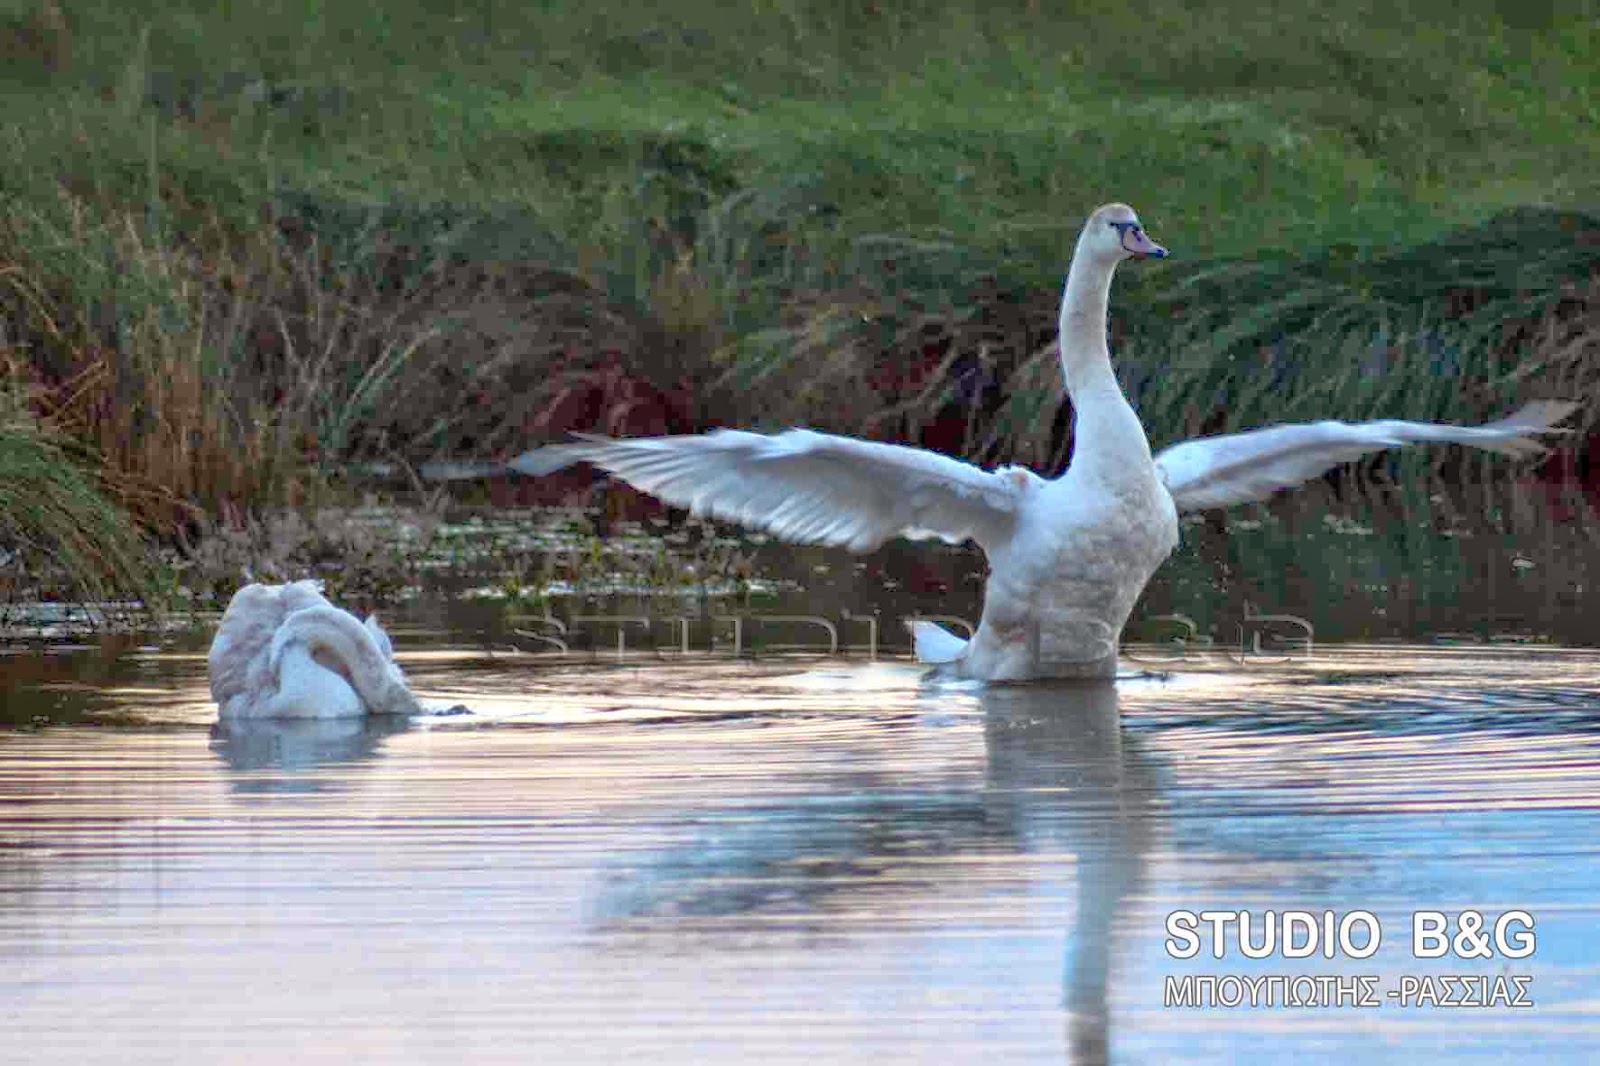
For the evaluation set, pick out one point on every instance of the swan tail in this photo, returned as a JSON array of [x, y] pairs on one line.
[[936, 644]]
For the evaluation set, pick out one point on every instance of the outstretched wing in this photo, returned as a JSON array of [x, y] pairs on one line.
[[1240, 467], [808, 487]]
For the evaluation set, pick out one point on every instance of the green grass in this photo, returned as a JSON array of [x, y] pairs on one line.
[[358, 231], [58, 528], [1244, 128]]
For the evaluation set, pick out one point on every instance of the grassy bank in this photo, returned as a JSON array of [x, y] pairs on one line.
[[244, 245]]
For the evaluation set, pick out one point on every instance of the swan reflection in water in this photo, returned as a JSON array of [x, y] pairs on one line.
[[1071, 778], [298, 746], [1060, 776]]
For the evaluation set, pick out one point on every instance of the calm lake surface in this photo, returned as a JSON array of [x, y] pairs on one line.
[[786, 860]]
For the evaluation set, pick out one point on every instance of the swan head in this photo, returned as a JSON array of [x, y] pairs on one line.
[[1114, 233]]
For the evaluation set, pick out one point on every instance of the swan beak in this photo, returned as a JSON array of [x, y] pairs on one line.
[[1137, 243]]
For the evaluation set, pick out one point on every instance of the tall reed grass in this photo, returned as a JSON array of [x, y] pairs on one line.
[[57, 529]]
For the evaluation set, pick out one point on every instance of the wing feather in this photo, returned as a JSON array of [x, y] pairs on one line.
[[1240, 467], [805, 486]]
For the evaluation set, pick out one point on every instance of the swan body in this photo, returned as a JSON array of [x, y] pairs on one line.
[[284, 651], [1068, 557]]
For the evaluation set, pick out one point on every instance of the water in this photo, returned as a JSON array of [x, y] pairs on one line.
[[785, 860]]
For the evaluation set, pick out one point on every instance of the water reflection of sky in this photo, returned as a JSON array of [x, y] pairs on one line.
[[722, 861]]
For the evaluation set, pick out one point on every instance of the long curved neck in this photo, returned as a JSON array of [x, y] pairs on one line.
[[327, 633], [311, 688], [1109, 441], [1085, 359]]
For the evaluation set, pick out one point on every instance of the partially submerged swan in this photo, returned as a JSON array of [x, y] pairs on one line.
[[1068, 557], [284, 651]]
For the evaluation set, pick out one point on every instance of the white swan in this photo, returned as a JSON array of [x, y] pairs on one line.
[[284, 651], [1067, 557]]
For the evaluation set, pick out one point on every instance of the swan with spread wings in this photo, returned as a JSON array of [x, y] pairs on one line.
[[1068, 557]]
